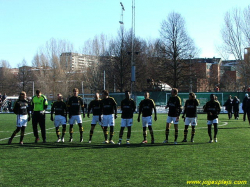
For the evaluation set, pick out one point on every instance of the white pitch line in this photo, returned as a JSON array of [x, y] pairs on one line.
[[224, 124]]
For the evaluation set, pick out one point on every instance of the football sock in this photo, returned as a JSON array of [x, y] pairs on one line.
[[193, 132], [129, 133], [105, 132], [167, 133], [111, 133], [176, 135], [185, 132], [80, 129], [22, 134], [215, 129], [63, 130], [71, 131], [15, 132], [57, 132], [151, 132], [121, 132], [145, 133], [209, 127]]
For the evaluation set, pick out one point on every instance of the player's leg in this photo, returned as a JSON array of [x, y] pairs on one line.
[[14, 134], [42, 126], [151, 133], [185, 133], [22, 134], [111, 122], [144, 129], [80, 131], [91, 132], [193, 133], [34, 125], [58, 134], [105, 132], [121, 134], [209, 131], [63, 132], [176, 133], [215, 131], [128, 134], [71, 132], [144, 133]]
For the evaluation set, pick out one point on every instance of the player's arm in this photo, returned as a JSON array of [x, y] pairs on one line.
[[52, 112], [115, 109], [139, 114], [45, 102], [89, 108], [82, 106], [155, 111]]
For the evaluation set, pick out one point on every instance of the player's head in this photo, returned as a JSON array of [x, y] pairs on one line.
[[192, 95], [105, 93], [59, 97], [97, 96], [246, 94], [75, 91], [212, 97], [229, 97], [174, 92], [38, 93], [146, 95], [127, 94], [22, 95]]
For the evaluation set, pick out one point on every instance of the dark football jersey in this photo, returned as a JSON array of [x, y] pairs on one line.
[[190, 108], [174, 105], [21, 107], [146, 106], [95, 106], [212, 108], [128, 108], [59, 107], [75, 105], [108, 106]]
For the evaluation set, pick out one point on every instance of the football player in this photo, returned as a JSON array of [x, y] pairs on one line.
[[60, 109]]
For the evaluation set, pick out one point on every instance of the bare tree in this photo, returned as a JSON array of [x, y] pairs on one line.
[[25, 77], [236, 37], [8, 81], [175, 45]]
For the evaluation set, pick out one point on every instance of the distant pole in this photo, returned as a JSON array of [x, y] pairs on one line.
[[33, 85], [104, 81], [132, 45]]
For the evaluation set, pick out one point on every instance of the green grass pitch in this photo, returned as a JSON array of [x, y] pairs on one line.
[[97, 164]]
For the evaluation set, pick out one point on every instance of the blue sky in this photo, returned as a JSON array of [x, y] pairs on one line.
[[26, 25]]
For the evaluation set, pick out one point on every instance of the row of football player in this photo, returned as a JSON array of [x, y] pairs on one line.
[[105, 112]]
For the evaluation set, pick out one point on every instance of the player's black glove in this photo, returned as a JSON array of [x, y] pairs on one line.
[[29, 118], [51, 118]]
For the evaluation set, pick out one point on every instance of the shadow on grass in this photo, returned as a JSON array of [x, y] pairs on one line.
[[247, 127], [54, 145]]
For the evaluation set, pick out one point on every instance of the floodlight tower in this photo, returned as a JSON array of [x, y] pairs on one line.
[[121, 56], [132, 45]]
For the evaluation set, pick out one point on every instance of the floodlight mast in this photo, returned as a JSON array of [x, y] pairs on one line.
[[132, 45]]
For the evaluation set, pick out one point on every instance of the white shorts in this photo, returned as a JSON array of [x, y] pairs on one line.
[[108, 120], [147, 121], [126, 122], [210, 122], [75, 119], [172, 120], [191, 121], [59, 120], [22, 120], [95, 120]]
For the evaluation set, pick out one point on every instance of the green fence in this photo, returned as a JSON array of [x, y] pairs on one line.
[[160, 98]]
